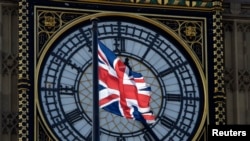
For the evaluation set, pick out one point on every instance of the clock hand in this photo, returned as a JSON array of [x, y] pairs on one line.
[[127, 63], [150, 131]]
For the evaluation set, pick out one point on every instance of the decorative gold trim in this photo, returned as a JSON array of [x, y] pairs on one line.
[[23, 76], [197, 42], [175, 4], [219, 95], [49, 20], [195, 39]]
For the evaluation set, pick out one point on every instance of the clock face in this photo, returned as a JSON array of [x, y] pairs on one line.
[[65, 81]]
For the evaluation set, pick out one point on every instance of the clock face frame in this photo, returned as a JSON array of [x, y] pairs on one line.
[[64, 86]]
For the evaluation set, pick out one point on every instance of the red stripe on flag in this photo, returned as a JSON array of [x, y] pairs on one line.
[[108, 79], [108, 99], [148, 116]]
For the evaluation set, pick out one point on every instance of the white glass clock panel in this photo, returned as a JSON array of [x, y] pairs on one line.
[[66, 84]]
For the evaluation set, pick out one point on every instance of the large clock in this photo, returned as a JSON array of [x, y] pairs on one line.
[[64, 80]]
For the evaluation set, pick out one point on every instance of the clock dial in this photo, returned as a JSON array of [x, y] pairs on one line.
[[65, 81]]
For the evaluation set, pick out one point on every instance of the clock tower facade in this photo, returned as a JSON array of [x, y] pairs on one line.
[[176, 45]]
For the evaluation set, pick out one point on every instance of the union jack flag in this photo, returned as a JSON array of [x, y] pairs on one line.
[[122, 91]]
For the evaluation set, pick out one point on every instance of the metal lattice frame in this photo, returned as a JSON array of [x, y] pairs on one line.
[[23, 76], [218, 52]]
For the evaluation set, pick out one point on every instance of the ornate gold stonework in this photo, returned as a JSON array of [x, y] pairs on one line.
[[192, 30], [49, 21], [183, 3], [218, 52], [189, 29], [23, 76]]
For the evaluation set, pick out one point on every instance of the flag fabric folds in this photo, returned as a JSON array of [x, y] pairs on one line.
[[122, 91]]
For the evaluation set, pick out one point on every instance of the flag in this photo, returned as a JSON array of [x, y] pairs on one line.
[[122, 91]]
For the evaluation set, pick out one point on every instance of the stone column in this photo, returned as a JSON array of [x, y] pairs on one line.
[[236, 70]]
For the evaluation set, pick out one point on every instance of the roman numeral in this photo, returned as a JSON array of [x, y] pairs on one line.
[[179, 65], [173, 97], [61, 58], [120, 139], [119, 45], [169, 123], [74, 116], [147, 137], [66, 90], [73, 66], [166, 72]]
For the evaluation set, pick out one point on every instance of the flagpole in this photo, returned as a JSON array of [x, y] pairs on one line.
[[95, 119]]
